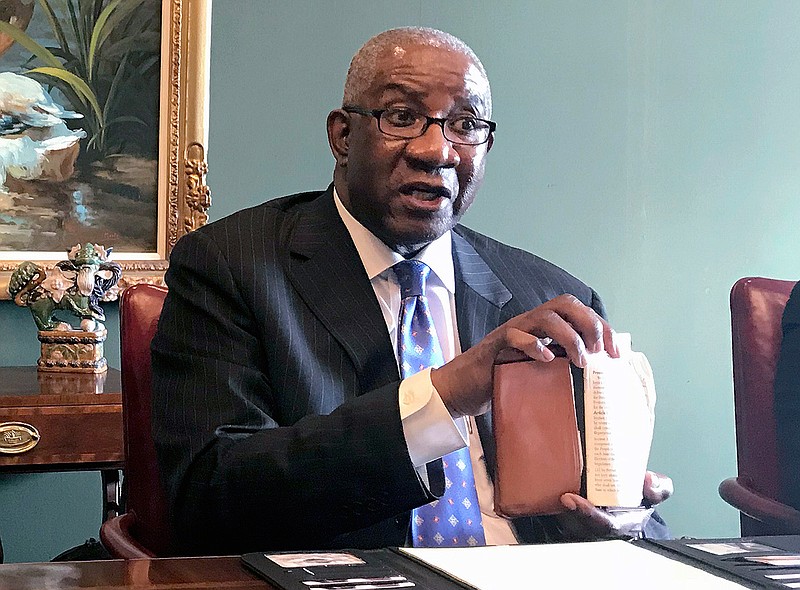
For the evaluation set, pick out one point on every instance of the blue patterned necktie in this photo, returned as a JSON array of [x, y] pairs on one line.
[[455, 519]]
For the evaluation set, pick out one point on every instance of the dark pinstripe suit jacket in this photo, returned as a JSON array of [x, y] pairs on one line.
[[787, 401], [275, 384]]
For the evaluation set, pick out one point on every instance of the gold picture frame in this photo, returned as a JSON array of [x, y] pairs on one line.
[[182, 194]]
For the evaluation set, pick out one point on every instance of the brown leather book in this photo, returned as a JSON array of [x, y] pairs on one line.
[[539, 454]]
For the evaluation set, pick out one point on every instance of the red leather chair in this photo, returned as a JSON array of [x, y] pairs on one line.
[[756, 309], [144, 529]]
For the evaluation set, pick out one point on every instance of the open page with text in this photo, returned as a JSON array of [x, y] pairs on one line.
[[619, 405]]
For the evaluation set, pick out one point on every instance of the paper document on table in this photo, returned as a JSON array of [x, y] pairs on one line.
[[619, 406], [600, 565]]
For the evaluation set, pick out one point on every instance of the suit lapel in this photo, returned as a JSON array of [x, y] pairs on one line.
[[480, 294], [327, 272]]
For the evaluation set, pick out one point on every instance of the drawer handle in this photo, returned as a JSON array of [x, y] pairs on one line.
[[17, 437]]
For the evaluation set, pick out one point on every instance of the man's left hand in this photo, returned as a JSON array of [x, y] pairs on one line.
[[585, 521]]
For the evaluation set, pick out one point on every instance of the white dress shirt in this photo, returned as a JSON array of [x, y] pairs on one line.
[[429, 429]]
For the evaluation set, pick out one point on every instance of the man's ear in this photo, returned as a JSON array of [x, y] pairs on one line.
[[490, 142], [338, 125]]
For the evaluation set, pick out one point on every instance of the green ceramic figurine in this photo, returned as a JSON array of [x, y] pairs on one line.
[[65, 304]]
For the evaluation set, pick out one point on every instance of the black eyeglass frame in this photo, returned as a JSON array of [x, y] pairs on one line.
[[428, 122]]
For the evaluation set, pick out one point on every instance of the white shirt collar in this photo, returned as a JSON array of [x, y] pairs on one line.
[[377, 257]]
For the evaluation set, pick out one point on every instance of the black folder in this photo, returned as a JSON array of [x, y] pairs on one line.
[[757, 565]]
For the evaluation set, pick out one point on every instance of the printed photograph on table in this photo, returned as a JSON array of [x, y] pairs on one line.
[[313, 559], [103, 139]]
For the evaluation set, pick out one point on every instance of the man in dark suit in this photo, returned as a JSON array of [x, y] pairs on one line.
[[280, 417], [787, 401]]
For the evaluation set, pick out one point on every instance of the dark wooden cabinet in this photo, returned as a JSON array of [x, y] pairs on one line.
[[75, 420]]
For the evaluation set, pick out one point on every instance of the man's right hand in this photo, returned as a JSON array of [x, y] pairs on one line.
[[465, 383]]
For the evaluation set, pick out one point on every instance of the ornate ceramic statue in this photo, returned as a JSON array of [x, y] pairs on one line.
[[65, 304]]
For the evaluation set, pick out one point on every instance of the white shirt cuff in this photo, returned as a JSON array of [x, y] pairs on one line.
[[429, 429]]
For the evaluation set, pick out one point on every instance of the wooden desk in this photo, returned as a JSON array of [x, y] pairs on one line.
[[608, 564], [78, 417], [196, 573]]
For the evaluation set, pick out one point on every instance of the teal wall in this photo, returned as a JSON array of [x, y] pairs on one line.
[[650, 148]]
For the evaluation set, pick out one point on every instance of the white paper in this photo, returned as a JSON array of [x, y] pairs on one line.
[[600, 565], [619, 407]]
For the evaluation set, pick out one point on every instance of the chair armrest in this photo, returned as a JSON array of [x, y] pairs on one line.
[[738, 494], [116, 536]]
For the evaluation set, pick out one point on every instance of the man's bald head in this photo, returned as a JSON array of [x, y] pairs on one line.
[[364, 65]]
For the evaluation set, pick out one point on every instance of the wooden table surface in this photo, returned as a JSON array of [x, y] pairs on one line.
[[23, 383], [185, 573]]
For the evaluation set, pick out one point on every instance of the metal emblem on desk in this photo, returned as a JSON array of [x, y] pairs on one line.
[[17, 437]]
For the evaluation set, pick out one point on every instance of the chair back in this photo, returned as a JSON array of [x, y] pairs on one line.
[[146, 520], [757, 306]]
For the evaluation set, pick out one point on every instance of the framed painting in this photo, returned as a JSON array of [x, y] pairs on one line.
[[103, 130]]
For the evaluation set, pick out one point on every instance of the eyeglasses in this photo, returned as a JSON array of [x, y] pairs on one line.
[[408, 124]]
